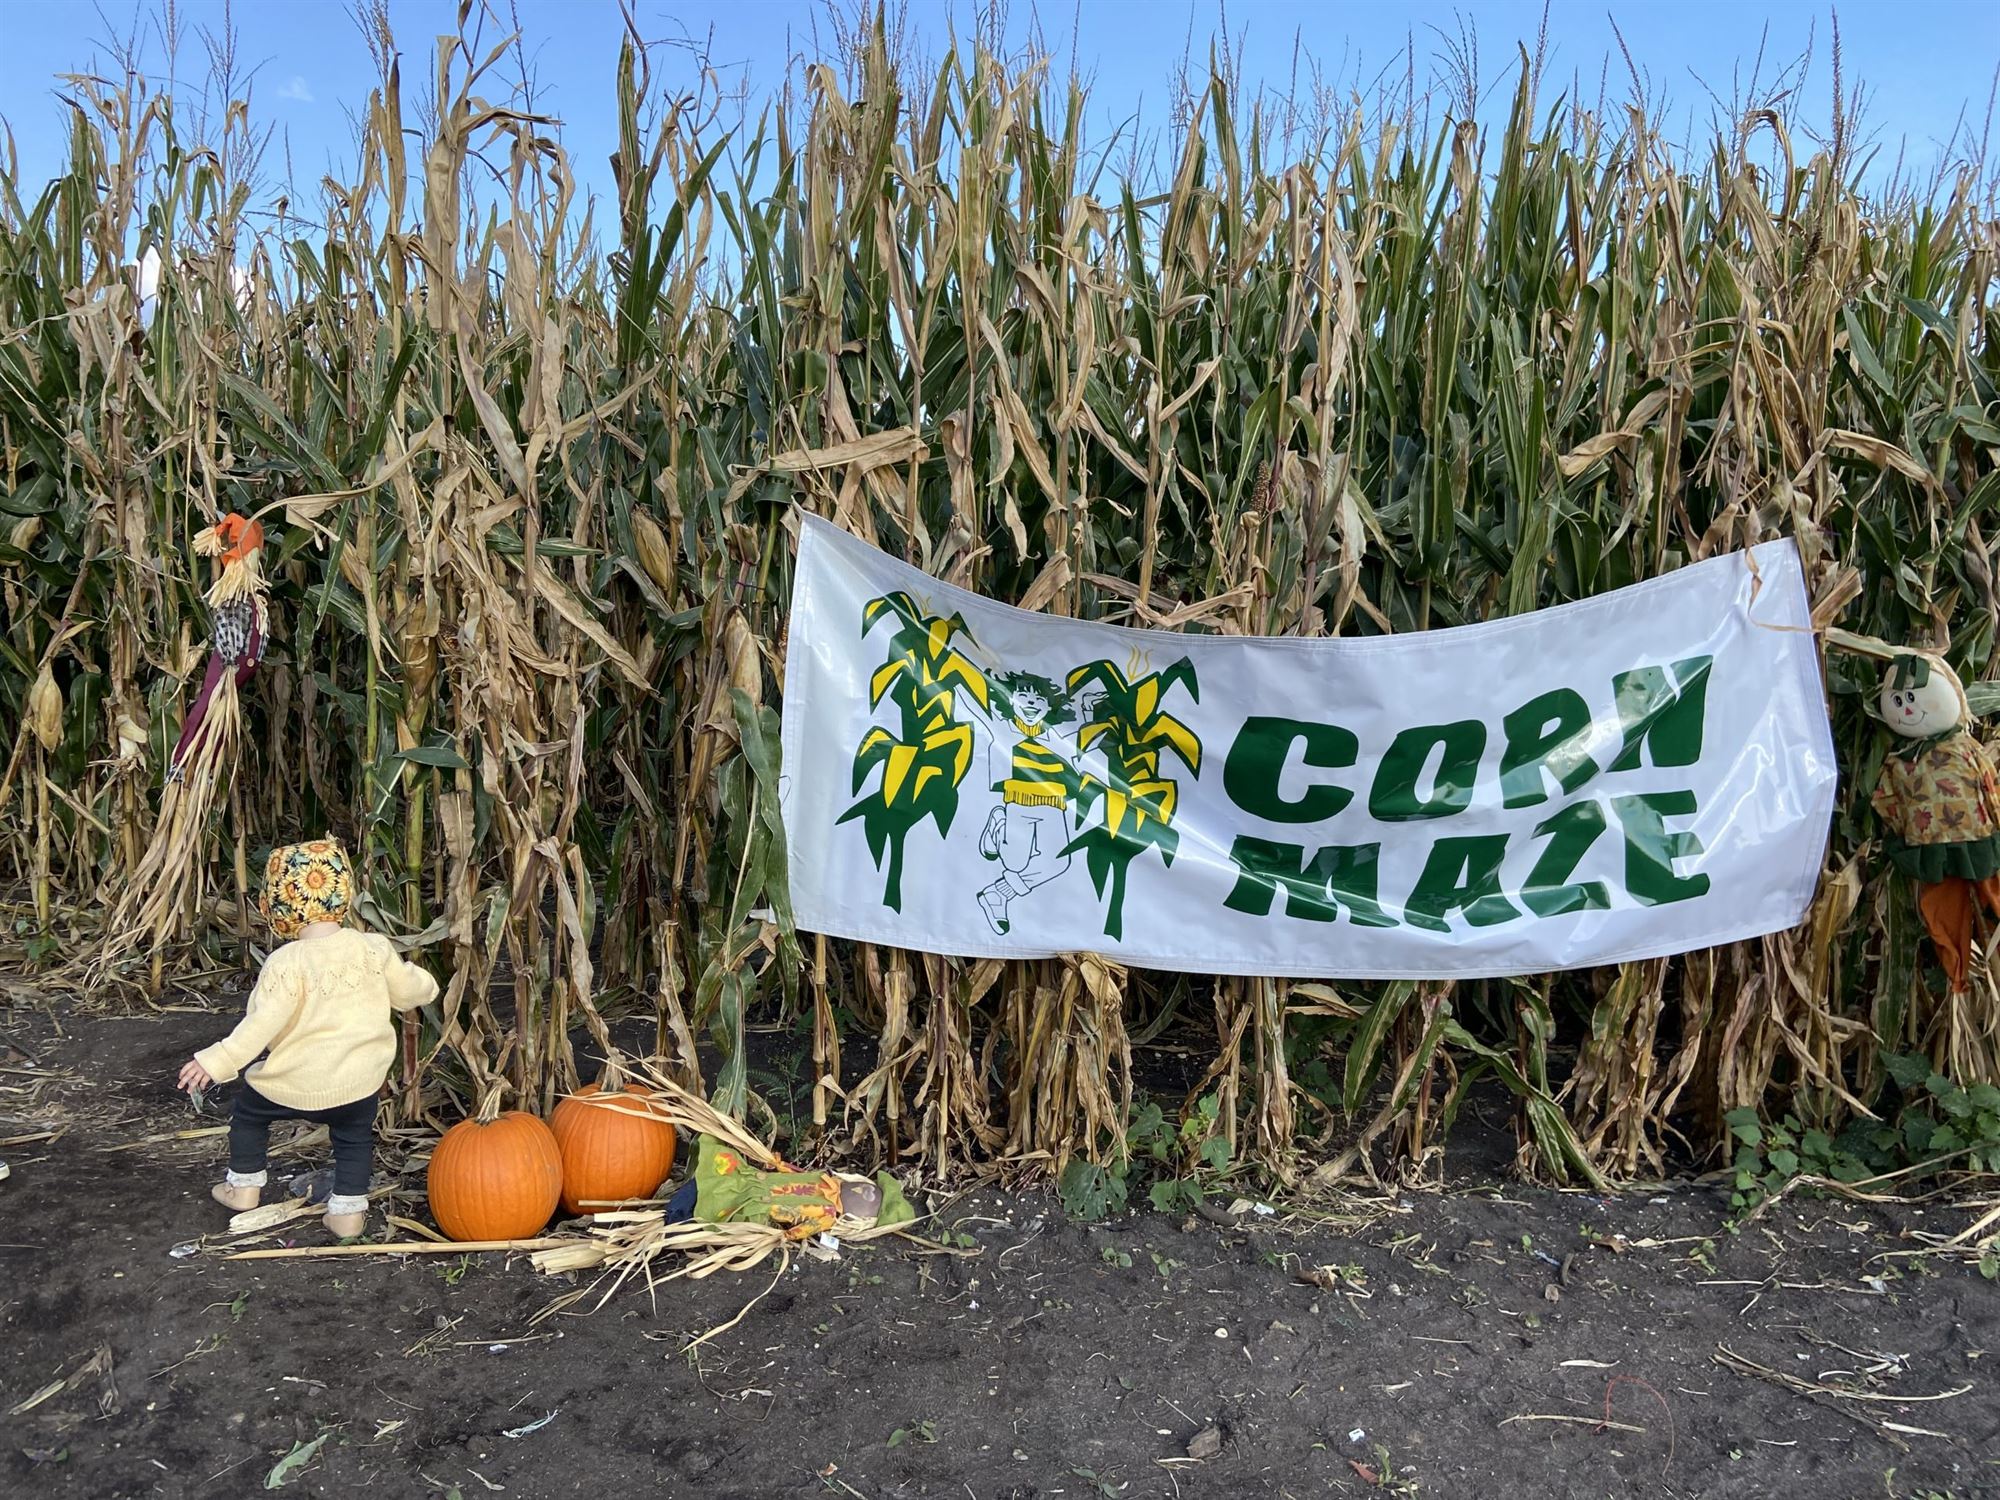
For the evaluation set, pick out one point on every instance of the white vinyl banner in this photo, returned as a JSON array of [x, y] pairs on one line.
[[1638, 774]]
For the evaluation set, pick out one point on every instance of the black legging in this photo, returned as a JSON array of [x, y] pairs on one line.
[[351, 1128]]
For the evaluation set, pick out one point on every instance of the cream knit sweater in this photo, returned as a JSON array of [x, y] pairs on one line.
[[324, 1006]]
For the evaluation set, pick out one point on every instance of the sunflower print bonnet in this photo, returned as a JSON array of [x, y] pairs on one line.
[[304, 884]]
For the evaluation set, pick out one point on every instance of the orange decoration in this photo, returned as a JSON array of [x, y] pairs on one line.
[[236, 537], [245, 538], [611, 1152], [498, 1180]]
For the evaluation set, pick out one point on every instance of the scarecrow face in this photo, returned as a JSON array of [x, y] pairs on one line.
[[859, 1200], [1917, 713]]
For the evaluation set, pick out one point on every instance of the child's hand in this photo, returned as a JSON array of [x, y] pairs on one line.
[[194, 1077]]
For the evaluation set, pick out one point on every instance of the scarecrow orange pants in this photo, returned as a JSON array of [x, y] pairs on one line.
[[1950, 910]]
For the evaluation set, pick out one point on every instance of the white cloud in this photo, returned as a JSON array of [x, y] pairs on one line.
[[295, 88]]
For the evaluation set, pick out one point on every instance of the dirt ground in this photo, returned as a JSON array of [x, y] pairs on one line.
[[1459, 1343]]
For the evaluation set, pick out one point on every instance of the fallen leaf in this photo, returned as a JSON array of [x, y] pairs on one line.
[[1206, 1443], [1363, 1472], [301, 1455]]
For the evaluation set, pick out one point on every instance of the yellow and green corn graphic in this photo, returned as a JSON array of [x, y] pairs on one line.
[[922, 767], [1133, 732]]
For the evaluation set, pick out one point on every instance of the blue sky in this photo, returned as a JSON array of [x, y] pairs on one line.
[[1927, 65]]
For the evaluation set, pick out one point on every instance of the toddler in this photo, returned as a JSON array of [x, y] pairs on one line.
[[323, 1013]]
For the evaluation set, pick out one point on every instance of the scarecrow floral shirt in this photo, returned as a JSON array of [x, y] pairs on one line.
[[1941, 792], [729, 1189], [726, 1188]]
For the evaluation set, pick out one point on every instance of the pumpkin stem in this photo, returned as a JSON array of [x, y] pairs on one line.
[[489, 1102], [612, 1079]]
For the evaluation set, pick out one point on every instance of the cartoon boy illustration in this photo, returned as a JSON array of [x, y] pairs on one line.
[[1035, 768]]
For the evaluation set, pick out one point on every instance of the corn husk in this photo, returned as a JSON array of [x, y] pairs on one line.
[[132, 739], [741, 656], [45, 710], [655, 556], [270, 1215]]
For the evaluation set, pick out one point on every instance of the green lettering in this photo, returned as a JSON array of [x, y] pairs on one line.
[[1668, 720], [1570, 832], [1314, 892], [1461, 874], [1650, 850], [1549, 736], [1257, 760], [1394, 799]]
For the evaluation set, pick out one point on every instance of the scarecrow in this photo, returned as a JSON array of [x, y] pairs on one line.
[[237, 642], [202, 759], [728, 1188], [1940, 801]]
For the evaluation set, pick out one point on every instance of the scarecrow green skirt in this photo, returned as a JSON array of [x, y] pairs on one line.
[[1972, 859]]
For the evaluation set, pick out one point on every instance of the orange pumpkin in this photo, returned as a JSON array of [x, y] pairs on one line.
[[497, 1179], [611, 1151]]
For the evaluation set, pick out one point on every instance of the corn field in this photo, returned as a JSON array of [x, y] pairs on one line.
[[532, 475]]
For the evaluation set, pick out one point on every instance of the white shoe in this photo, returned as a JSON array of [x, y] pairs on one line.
[[994, 905]]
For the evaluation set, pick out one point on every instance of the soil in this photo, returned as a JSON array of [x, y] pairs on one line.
[[1461, 1342]]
